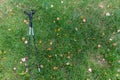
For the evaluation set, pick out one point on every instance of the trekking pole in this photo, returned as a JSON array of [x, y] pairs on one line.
[[31, 33]]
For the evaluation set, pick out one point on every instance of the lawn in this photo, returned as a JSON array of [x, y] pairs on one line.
[[76, 40]]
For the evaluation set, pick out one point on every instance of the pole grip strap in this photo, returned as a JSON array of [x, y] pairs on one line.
[[31, 31]]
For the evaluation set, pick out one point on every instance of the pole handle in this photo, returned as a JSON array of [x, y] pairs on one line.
[[30, 12]]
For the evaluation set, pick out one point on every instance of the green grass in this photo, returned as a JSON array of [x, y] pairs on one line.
[[82, 45]]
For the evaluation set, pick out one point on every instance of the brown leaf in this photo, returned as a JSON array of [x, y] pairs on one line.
[[49, 49]]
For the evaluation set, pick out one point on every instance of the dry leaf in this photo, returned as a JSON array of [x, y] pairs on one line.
[[25, 41], [59, 29], [55, 68], [68, 57], [23, 38], [14, 68], [90, 69], [99, 46], [41, 66], [67, 63], [49, 49], [107, 14], [51, 43], [84, 20], [57, 18], [101, 5], [40, 42], [26, 21], [49, 56], [114, 44]]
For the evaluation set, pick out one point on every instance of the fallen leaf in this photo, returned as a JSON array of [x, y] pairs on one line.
[[49, 56], [49, 49], [26, 21], [57, 18], [51, 42], [23, 39], [68, 57], [59, 29], [90, 69], [14, 68], [40, 42], [41, 66], [99, 46], [101, 5], [84, 20], [67, 63], [55, 68], [107, 14], [114, 44]]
